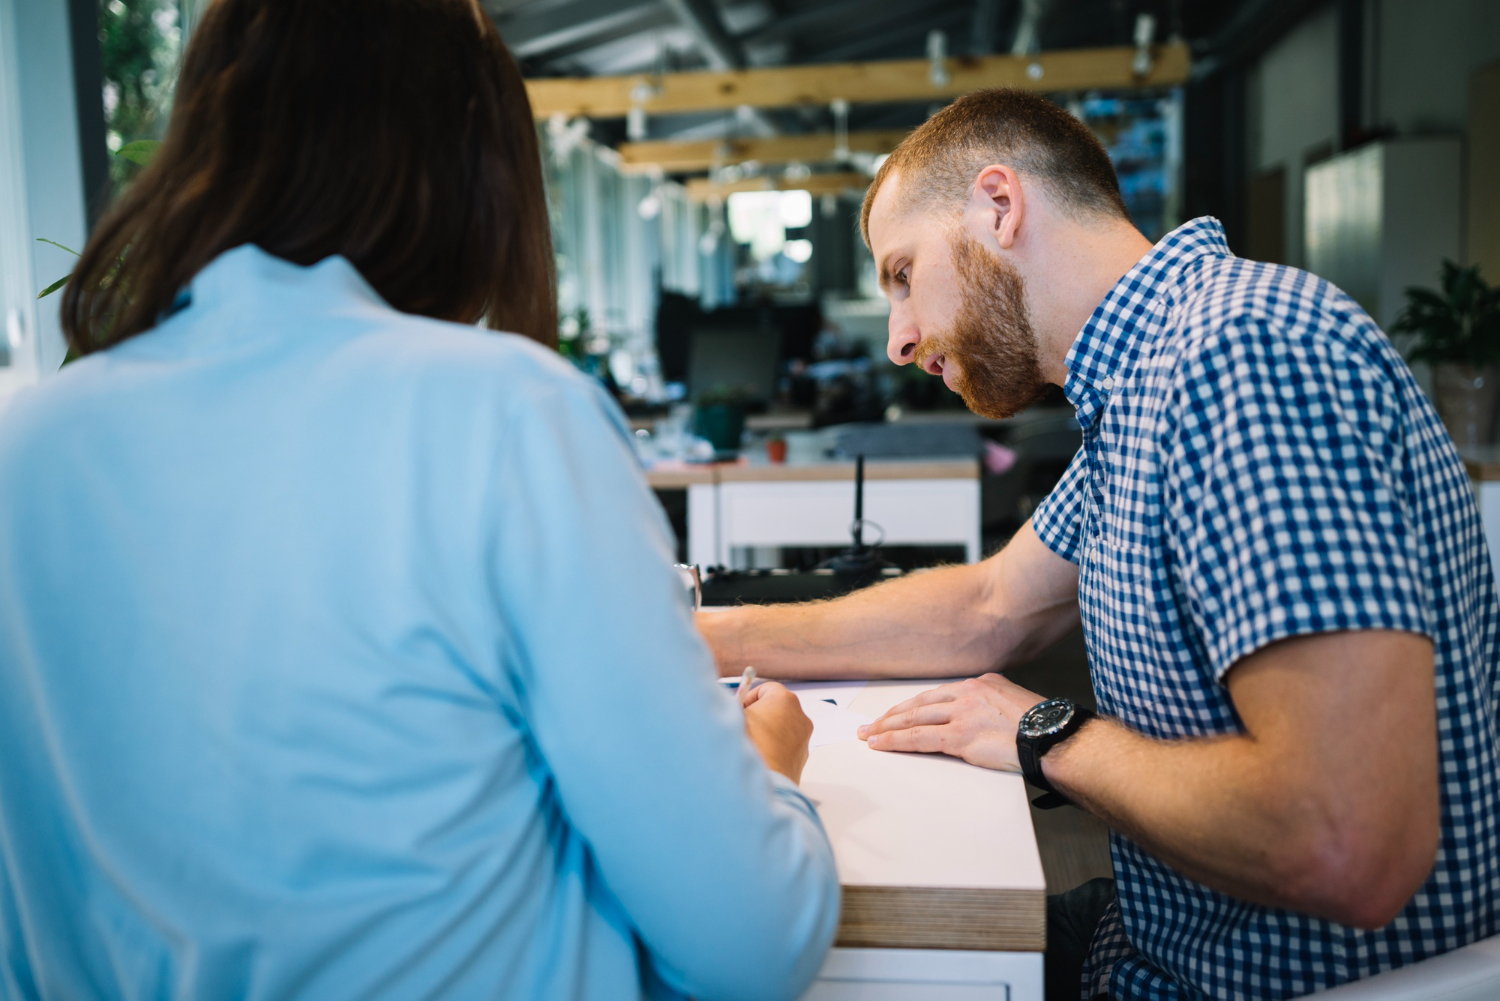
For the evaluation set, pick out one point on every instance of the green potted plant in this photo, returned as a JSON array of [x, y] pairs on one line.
[[1457, 331], [140, 152], [719, 416]]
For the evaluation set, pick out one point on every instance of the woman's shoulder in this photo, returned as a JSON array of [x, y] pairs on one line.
[[482, 370], [466, 344]]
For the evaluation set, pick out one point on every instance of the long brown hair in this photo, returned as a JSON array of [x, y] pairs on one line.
[[397, 133]]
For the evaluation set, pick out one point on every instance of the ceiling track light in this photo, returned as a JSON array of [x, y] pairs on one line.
[[840, 109], [937, 58], [1145, 33]]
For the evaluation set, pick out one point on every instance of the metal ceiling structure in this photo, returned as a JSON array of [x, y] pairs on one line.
[[582, 38], [616, 37]]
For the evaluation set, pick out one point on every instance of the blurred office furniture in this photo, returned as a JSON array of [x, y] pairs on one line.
[[1265, 216], [689, 338], [1043, 441], [1384, 216], [1484, 469], [1468, 974], [779, 586], [931, 908], [907, 440], [1483, 169], [734, 362], [734, 505]]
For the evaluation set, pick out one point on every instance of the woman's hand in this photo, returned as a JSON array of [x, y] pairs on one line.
[[778, 727]]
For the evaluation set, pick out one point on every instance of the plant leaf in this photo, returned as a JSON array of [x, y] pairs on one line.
[[43, 239], [142, 151], [53, 287]]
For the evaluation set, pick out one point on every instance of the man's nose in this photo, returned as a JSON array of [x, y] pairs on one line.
[[901, 345]]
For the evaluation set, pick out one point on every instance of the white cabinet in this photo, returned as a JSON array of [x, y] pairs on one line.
[[928, 974]]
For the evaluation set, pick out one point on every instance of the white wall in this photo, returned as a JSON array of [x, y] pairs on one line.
[[39, 66], [17, 310], [1420, 55], [1427, 51], [1293, 108]]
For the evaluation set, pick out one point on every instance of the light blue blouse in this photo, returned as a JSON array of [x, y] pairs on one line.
[[341, 657]]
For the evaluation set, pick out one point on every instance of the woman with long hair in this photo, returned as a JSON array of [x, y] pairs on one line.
[[340, 651]]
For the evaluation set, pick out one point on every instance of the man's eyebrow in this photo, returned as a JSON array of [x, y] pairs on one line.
[[885, 273]]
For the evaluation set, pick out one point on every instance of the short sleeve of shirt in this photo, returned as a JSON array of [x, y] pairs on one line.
[[1058, 519], [1283, 499]]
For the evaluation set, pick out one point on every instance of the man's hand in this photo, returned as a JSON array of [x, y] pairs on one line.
[[974, 719], [778, 728]]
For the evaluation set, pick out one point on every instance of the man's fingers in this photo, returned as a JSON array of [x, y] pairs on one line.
[[944, 693], [934, 714], [925, 739]]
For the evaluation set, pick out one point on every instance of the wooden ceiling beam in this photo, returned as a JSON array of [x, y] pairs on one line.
[[821, 84], [703, 190], [677, 157]]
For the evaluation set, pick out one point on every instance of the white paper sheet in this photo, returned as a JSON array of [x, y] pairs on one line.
[[831, 724], [825, 703], [841, 693]]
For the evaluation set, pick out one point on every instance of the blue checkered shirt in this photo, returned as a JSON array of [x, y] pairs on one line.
[[1258, 463]]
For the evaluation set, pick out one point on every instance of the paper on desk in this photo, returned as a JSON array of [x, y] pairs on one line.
[[826, 704], [831, 724], [840, 693]]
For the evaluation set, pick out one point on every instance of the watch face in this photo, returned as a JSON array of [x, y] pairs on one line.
[[1047, 717]]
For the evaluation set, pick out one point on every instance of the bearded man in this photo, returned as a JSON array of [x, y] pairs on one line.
[[1272, 546]]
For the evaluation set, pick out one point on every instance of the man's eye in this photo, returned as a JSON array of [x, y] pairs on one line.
[[902, 277]]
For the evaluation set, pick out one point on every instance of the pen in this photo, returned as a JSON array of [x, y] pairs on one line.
[[746, 680]]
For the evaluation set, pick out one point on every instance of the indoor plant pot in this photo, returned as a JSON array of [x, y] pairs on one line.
[[1467, 399], [721, 423], [1457, 331]]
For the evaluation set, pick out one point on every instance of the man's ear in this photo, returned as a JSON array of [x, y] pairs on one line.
[[998, 203]]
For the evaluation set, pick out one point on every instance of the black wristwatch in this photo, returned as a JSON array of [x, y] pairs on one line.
[[1043, 727]]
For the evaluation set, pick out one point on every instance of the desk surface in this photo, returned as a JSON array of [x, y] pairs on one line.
[[933, 853]]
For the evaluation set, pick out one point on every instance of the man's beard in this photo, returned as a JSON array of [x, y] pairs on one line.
[[991, 339]]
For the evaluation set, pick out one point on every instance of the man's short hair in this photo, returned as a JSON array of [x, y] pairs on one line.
[[940, 159]]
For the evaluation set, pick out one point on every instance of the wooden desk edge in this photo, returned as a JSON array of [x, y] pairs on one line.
[[926, 917], [1483, 471], [677, 479], [729, 472], [921, 469]]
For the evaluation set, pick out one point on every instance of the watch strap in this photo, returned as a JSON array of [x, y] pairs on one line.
[[1029, 750]]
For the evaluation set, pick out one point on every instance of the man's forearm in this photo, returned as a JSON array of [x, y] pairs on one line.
[[1326, 804], [932, 624], [1198, 805], [943, 623]]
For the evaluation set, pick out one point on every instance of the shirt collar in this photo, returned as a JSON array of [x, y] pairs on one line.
[[1105, 349], [247, 274]]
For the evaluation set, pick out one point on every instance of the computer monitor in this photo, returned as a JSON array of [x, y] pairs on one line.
[[742, 360]]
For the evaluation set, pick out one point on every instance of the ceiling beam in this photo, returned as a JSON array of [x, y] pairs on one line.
[[719, 48], [684, 157], [701, 18], [894, 80], [642, 19], [703, 190], [528, 35]]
